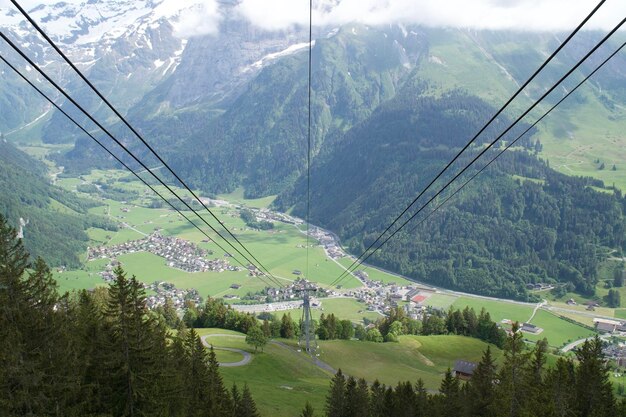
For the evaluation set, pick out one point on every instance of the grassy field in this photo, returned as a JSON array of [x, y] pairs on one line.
[[498, 310], [441, 301], [558, 331], [238, 198], [573, 142], [414, 357], [280, 380], [278, 248], [375, 274]]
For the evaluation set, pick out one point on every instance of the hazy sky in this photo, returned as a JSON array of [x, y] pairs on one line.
[[536, 15]]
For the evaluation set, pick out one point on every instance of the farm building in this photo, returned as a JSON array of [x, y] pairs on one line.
[[464, 369]]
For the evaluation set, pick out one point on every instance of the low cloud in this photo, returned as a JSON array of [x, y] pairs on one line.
[[200, 19], [532, 15]]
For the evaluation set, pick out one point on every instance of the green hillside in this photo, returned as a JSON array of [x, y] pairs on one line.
[[497, 235], [56, 220]]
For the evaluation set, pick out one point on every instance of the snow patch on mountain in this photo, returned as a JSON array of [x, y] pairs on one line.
[[270, 57]]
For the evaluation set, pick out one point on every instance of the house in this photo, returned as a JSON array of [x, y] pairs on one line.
[[531, 328], [235, 286], [464, 369], [606, 325]]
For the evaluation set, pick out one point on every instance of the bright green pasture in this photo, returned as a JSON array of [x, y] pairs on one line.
[[238, 198], [77, 280], [573, 140], [374, 273], [558, 331], [345, 309], [225, 356], [148, 268], [281, 380], [414, 357], [498, 310], [441, 301]]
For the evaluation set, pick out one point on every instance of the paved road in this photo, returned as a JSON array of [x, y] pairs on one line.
[[575, 343], [247, 357]]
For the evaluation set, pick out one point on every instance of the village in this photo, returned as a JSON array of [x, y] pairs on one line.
[[178, 253], [178, 297]]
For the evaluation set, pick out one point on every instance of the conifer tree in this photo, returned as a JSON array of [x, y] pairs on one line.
[[594, 393], [481, 391], [377, 398], [511, 389], [404, 400], [450, 390], [247, 406], [336, 399], [421, 399], [134, 367], [307, 411], [559, 382]]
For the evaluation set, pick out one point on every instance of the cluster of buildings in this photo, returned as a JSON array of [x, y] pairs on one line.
[[271, 216], [281, 294], [178, 253], [616, 352], [539, 286], [381, 297], [609, 326], [328, 241], [178, 297]]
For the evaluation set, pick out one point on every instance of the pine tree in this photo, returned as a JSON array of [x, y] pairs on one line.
[[377, 398], [287, 329], [197, 375], [481, 391], [535, 392], [133, 365], [511, 388], [404, 400], [37, 372], [450, 399], [220, 402], [559, 382], [421, 399], [247, 407], [307, 411], [336, 399], [594, 393]]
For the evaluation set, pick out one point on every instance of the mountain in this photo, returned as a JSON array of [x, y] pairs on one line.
[[519, 222], [52, 221], [389, 105]]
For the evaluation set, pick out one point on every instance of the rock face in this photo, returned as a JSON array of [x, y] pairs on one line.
[[129, 48]]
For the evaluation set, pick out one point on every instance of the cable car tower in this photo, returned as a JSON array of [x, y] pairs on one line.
[[306, 340]]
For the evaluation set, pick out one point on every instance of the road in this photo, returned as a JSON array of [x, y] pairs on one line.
[[537, 307], [575, 343], [247, 357]]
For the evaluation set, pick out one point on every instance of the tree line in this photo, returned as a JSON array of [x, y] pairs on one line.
[[100, 353], [522, 385], [216, 313]]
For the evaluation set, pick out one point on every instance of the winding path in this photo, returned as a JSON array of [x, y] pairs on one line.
[[247, 357]]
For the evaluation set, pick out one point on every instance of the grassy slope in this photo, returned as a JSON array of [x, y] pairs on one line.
[[281, 381], [414, 357]]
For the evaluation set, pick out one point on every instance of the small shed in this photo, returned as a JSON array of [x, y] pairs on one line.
[[464, 369]]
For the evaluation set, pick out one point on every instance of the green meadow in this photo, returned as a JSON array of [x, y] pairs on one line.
[[280, 379]]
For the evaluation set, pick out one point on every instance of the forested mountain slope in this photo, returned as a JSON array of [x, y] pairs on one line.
[[519, 222], [55, 219]]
